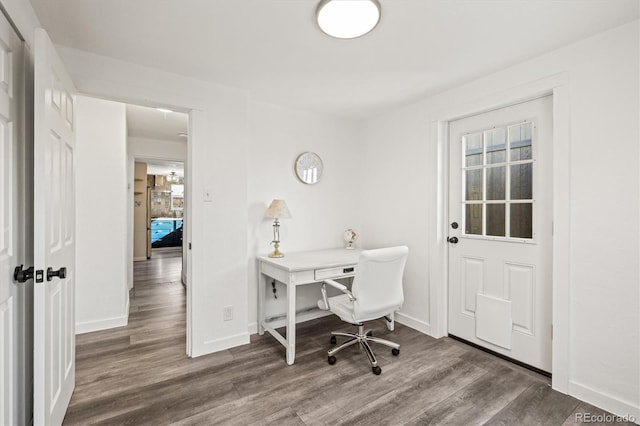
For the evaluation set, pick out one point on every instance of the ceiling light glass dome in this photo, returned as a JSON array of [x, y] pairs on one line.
[[348, 18]]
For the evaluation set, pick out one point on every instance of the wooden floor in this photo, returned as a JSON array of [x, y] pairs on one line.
[[140, 374]]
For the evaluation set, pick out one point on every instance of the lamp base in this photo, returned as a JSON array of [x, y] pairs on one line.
[[276, 249]]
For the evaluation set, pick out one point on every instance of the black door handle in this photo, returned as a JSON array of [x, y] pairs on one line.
[[60, 273], [452, 240], [22, 275]]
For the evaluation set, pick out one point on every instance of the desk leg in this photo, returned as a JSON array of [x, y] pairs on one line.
[[262, 294], [291, 323]]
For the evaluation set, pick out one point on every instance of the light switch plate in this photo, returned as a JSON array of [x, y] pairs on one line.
[[208, 195]]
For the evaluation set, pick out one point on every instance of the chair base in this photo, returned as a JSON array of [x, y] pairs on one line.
[[362, 338]]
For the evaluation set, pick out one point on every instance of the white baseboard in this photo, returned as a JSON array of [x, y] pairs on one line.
[[606, 402], [253, 328], [216, 345], [416, 324], [102, 324]]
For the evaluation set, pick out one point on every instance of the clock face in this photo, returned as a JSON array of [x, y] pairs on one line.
[[308, 167]]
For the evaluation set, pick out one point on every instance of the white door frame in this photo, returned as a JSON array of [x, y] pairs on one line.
[[557, 86]]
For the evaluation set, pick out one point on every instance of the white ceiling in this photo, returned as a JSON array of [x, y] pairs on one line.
[[145, 122], [274, 49]]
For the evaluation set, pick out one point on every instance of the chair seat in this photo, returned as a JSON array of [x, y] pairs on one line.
[[341, 306]]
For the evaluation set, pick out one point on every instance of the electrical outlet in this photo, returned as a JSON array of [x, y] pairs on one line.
[[228, 313]]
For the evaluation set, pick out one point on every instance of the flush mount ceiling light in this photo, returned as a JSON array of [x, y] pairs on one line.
[[172, 177], [347, 18]]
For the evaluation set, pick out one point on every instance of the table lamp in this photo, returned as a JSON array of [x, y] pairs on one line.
[[277, 210]]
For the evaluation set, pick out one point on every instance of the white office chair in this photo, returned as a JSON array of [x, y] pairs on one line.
[[376, 293]]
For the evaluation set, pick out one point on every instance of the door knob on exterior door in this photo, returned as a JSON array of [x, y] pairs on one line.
[[60, 273], [452, 240]]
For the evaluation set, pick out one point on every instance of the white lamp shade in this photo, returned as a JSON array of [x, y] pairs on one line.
[[348, 18], [278, 210]]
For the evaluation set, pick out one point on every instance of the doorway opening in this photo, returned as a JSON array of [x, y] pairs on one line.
[[157, 152]]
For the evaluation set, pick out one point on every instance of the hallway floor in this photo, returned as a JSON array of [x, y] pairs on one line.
[[139, 374]]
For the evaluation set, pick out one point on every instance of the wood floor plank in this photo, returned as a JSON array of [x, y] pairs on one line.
[[406, 402], [286, 417], [478, 402], [140, 374], [538, 405]]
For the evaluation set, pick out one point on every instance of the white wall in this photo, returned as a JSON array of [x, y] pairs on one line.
[[217, 162], [398, 166], [320, 212], [102, 213], [603, 73], [157, 149]]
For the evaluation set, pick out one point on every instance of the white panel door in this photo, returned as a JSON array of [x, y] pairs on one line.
[[11, 213], [54, 239], [500, 231]]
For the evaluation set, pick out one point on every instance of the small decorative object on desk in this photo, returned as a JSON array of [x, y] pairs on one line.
[[350, 237]]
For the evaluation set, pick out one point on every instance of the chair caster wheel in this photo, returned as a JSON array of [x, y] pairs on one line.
[[332, 360], [376, 370], [395, 352], [333, 340]]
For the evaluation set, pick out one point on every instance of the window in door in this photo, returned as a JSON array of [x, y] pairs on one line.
[[497, 182]]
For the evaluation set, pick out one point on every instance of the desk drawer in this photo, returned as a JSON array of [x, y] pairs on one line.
[[339, 272]]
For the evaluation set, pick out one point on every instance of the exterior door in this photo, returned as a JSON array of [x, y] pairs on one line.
[[12, 213], [500, 230], [54, 235]]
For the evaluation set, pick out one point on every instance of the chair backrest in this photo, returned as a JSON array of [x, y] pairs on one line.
[[377, 285]]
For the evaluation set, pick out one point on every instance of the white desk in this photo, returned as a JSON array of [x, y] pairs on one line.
[[299, 269]]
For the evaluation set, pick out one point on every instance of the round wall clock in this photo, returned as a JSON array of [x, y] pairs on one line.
[[308, 167]]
